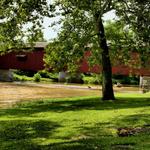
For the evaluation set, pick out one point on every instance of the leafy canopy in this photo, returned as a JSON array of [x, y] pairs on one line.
[[20, 18]]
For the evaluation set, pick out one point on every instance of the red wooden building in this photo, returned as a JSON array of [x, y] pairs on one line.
[[25, 59], [119, 69], [33, 60]]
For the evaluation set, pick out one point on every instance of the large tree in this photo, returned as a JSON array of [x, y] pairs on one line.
[[82, 20]]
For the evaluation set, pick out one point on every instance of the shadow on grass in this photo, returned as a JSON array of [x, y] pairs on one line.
[[134, 120], [64, 105], [19, 134]]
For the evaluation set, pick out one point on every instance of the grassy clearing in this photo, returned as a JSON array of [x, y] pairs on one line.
[[76, 124]]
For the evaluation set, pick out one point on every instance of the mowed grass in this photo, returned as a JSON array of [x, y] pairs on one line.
[[76, 124]]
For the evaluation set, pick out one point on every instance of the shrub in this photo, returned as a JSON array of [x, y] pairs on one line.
[[92, 79], [53, 76], [133, 80], [44, 73], [74, 78], [49, 75], [24, 73], [17, 77], [37, 77]]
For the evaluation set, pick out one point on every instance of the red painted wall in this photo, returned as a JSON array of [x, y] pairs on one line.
[[31, 61], [119, 69], [34, 61]]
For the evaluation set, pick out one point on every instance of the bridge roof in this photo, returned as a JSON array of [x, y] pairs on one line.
[[38, 44]]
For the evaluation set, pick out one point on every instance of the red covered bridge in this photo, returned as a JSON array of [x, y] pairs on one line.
[[119, 69], [33, 60], [24, 60]]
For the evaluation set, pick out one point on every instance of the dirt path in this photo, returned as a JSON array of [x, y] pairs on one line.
[[11, 93]]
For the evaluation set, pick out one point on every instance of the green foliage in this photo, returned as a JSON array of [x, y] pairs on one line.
[[74, 78], [17, 77], [44, 74], [120, 42], [92, 79], [97, 79], [15, 15], [78, 34], [50, 75], [37, 77], [53, 76], [76, 123], [55, 56], [129, 80], [63, 54], [24, 73], [137, 19], [135, 15]]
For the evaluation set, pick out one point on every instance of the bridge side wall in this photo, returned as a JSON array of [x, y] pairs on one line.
[[23, 60]]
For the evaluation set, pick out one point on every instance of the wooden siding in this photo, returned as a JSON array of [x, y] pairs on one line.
[[34, 61]]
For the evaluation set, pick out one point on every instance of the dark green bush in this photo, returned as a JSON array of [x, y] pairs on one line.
[[44, 74], [131, 80], [25, 73]]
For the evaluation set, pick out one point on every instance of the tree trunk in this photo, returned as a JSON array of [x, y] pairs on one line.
[[107, 87]]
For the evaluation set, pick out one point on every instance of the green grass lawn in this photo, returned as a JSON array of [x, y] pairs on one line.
[[77, 124]]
